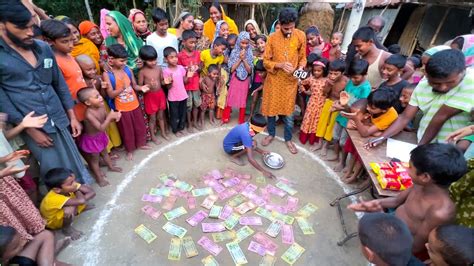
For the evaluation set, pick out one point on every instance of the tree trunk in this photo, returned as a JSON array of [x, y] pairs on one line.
[[89, 12]]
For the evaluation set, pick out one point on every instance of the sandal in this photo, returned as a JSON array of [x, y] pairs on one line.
[[267, 140], [291, 147]]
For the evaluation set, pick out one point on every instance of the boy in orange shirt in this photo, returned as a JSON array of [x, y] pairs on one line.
[[59, 36]]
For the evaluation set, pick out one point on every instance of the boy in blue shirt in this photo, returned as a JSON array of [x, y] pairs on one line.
[[240, 141]]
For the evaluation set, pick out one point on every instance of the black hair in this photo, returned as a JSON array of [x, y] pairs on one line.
[[15, 12], [325, 68], [459, 41], [311, 58], [312, 30], [258, 120], [55, 177], [457, 245], [337, 65], [216, 4], [358, 67], [168, 51], [261, 36], [416, 60], [232, 36], [443, 162], [212, 67], [54, 29], [259, 66], [364, 34], [83, 94], [37, 31], [288, 15], [387, 236], [188, 34], [158, 14], [382, 98], [382, 19], [410, 86], [6, 236], [68, 21], [147, 52], [394, 48], [397, 60], [117, 51], [444, 63], [361, 105], [219, 41]]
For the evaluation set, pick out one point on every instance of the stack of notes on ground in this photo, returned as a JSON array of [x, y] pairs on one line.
[[232, 216]]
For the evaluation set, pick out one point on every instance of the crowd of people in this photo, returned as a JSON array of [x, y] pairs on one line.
[[71, 91]]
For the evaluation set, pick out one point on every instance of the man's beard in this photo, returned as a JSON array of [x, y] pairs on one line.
[[18, 42]]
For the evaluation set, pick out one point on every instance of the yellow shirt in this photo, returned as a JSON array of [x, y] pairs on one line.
[[51, 209], [208, 60], [385, 120]]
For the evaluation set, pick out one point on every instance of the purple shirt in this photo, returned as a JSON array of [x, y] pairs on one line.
[[177, 92]]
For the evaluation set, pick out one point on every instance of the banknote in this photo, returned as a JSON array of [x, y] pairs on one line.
[[232, 221], [227, 193], [307, 210], [175, 249], [231, 182], [275, 191], [209, 261], [215, 211], [248, 189], [250, 220], [198, 192], [212, 227], [151, 198], [216, 174], [162, 191], [286, 188], [243, 233], [173, 214], [210, 246], [145, 233], [197, 218], [183, 186], [287, 236], [237, 200], [226, 212], [305, 226], [224, 236], [209, 201], [261, 179], [264, 213], [267, 260], [291, 203], [274, 228], [236, 253], [293, 253], [175, 230], [257, 248], [151, 211], [191, 202], [282, 217], [269, 245], [245, 207], [169, 203], [189, 248]]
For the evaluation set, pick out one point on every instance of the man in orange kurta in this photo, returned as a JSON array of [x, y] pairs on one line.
[[285, 52]]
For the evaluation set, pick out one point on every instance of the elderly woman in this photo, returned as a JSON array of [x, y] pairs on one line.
[[216, 13], [185, 21], [139, 23], [203, 42], [253, 29]]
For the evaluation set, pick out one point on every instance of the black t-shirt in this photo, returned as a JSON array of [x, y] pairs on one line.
[[397, 88]]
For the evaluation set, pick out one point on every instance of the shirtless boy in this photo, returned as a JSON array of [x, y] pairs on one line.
[[335, 83], [155, 99], [426, 205], [208, 100], [335, 51], [89, 72], [94, 140]]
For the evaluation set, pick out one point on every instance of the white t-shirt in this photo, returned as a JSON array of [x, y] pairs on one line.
[[160, 43]]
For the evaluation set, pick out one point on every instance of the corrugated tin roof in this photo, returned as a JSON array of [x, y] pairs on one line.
[[376, 3]]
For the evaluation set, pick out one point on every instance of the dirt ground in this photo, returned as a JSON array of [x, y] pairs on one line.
[[110, 240]]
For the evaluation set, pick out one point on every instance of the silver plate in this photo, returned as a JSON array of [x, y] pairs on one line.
[[274, 160]]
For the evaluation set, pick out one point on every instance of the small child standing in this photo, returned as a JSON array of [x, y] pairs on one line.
[[190, 59], [121, 87], [357, 88], [175, 76], [65, 200], [240, 63], [94, 140], [260, 44], [314, 87], [335, 83], [257, 84], [61, 40], [155, 99], [335, 51], [391, 71], [208, 86]]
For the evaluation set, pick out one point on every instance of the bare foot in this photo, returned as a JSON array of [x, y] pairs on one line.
[[72, 232], [62, 244], [165, 137], [316, 147], [212, 122], [350, 180], [332, 159], [89, 206], [129, 156], [115, 169], [338, 167], [346, 171], [237, 161], [179, 134], [145, 147], [198, 126], [190, 129], [155, 140], [267, 140], [346, 175], [60, 263], [114, 156]]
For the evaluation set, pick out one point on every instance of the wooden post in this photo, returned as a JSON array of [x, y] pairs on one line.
[[89, 12], [341, 19], [353, 23], [252, 12], [439, 27]]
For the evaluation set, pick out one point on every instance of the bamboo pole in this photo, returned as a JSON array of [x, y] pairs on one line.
[[439, 27], [89, 12]]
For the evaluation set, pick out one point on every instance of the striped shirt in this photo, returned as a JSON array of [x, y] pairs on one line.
[[429, 102]]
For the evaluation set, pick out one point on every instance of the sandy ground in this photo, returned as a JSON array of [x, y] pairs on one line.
[[110, 240]]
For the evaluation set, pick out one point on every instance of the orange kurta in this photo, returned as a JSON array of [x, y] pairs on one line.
[[279, 89]]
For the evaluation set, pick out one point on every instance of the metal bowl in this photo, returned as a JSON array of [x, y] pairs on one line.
[[274, 160]]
